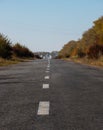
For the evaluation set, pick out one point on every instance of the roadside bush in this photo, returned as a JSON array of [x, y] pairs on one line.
[[95, 51], [80, 53], [21, 51], [59, 57], [37, 57], [5, 47]]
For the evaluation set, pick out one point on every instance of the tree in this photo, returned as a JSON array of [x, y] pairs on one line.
[[89, 38], [95, 51], [91, 43], [98, 27], [67, 49]]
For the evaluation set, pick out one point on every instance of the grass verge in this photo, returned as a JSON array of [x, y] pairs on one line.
[[93, 62], [4, 62]]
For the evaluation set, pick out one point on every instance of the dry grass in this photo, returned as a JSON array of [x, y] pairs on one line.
[[14, 60], [4, 62], [93, 62]]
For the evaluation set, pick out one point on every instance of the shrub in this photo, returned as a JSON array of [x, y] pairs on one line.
[[95, 51], [5, 47], [21, 51]]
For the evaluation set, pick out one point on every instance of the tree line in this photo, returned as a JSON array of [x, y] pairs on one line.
[[9, 50], [90, 45]]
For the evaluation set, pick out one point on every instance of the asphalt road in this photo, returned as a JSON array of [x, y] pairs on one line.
[[74, 96]]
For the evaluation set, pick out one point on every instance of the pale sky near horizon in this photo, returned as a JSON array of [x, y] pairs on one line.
[[46, 25]]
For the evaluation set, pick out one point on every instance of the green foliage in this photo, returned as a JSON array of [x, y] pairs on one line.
[[5, 47]]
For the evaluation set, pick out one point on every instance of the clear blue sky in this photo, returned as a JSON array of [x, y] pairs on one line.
[[46, 25]]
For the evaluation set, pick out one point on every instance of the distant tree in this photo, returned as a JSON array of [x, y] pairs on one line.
[[37, 56], [67, 49]]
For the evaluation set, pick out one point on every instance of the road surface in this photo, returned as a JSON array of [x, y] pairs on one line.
[[55, 95]]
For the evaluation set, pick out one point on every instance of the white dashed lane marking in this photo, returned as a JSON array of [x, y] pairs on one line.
[[44, 108], [46, 77], [45, 86]]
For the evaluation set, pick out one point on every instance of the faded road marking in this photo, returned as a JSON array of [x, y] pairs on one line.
[[48, 66], [46, 77], [44, 108], [45, 86]]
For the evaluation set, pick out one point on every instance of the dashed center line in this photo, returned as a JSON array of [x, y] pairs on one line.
[[45, 86], [46, 77], [44, 108]]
